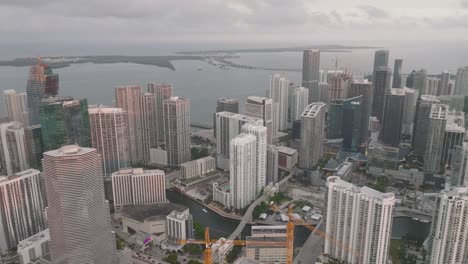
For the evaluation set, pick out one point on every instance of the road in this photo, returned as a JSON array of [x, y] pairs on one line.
[[248, 214], [312, 248]]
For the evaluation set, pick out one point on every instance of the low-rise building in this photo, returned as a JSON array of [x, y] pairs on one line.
[[149, 220], [34, 247], [345, 170], [287, 157], [222, 193], [179, 226], [406, 176], [268, 254], [199, 167]]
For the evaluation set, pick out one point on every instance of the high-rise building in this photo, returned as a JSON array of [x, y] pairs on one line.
[[351, 126], [77, 213], [260, 133], [381, 86], [271, 254], [13, 151], [338, 83], [459, 165], [411, 98], [390, 134], [461, 81], [443, 88], [380, 59], [432, 85], [177, 130], [419, 81], [42, 83], [319, 92], [334, 120], [138, 186], [16, 106], [64, 121], [179, 226], [109, 136], [272, 164], [435, 138], [299, 101], [359, 222], [243, 169], [261, 108], [454, 135], [396, 83], [228, 126], [227, 105], [421, 123], [310, 67], [312, 134], [161, 92], [448, 241], [364, 88], [33, 139], [278, 91], [21, 207], [147, 129]]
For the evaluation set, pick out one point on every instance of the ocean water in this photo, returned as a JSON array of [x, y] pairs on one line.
[[203, 83]]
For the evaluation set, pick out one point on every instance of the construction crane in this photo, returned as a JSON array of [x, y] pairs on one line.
[[289, 243]]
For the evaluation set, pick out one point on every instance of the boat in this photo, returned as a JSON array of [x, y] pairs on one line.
[[424, 221], [415, 219], [204, 210]]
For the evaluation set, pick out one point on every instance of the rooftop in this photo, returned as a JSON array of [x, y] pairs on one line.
[[439, 111], [95, 109], [240, 117], [313, 109], [150, 211], [339, 183], [286, 150], [136, 171], [228, 100], [69, 150], [39, 237]]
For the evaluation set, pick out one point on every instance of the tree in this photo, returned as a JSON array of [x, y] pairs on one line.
[[198, 153], [194, 262], [199, 231], [172, 258], [192, 249], [119, 243]]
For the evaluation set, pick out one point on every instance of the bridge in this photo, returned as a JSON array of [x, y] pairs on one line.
[[248, 214], [200, 125]]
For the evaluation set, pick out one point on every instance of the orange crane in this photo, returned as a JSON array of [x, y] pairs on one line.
[[289, 244]]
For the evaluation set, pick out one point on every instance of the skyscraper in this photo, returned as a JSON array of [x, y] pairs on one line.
[[13, 152], [351, 123], [243, 168], [432, 85], [16, 106], [228, 126], [419, 82], [459, 165], [109, 136], [272, 164], [42, 83], [390, 134], [411, 98], [359, 222], [279, 87], [338, 83], [21, 207], [461, 81], [128, 98], [448, 238], [64, 121], [443, 88], [33, 138], [78, 214], [435, 138], [381, 86], [334, 120], [177, 130], [310, 67], [161, 92], [421, 123], [261, 108], [319, 92], [312, 135], [260, 133], [299, 101], [138, 186], [454, 135], [364, 88], [147, 128], [396, 83], [380, 59]]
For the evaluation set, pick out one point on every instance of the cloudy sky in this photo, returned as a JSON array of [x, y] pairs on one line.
[[230, 21]]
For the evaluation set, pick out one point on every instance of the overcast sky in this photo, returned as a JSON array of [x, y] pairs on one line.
[[230, 21]]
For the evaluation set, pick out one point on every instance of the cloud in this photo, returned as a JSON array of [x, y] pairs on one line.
[[374, 12], [464, 3]]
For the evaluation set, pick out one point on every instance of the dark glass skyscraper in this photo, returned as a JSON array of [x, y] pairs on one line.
[[42, 83], [310, 67], [351, 123], [380, 60], [381, 86], [390, 134], [334, 119], [364, 88], [396, 83], [64, 121]]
